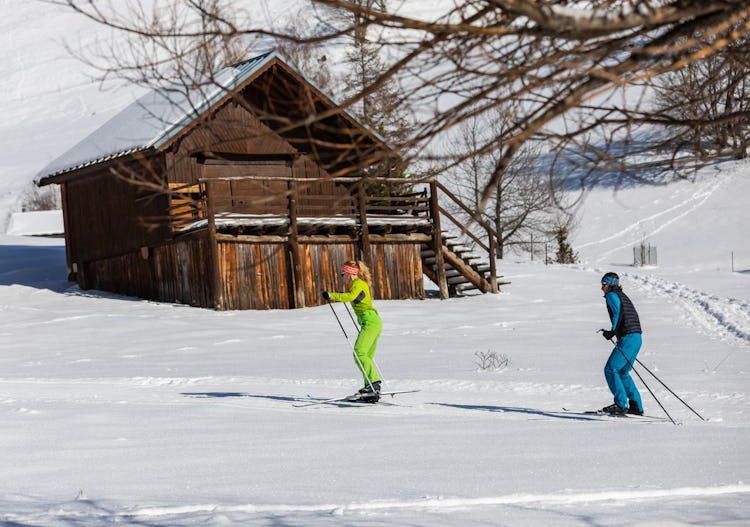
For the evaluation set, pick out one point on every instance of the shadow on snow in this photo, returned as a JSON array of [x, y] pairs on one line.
[[222, 395], [525, 411]]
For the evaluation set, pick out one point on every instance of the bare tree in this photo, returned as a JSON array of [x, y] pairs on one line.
[[310, 59], [523, 201], [170, 46], [553, 56], [36, 198], [708, 104], [556, 59]]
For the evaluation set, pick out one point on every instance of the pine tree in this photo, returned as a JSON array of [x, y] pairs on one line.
[[379, 105], [565, 254]]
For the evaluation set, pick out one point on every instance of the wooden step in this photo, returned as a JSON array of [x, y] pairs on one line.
[[464, 270]]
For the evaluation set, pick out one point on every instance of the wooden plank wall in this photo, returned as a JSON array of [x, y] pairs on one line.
[[250, 196], [231, 129], [176, 272], [320, 197], [255, 275], [104, 217], [258, 275], [323, 198], [397, 271], [321, 268]]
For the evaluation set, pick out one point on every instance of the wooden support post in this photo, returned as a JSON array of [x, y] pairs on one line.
[[217, 286], [66, 232], [294, 248], [365, 230], [493, 262], [437, 241]]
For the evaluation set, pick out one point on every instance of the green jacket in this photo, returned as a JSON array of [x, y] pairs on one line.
[[358, 295]]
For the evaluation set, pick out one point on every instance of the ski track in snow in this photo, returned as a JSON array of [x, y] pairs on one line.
[[450, 503], [82, 509], [510, 400], [648, 227], [726, 319]]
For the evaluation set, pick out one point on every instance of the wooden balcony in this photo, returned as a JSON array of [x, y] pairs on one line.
[[298, 211], [252, 206]]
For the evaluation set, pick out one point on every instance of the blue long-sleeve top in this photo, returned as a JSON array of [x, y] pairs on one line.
[[613, 306], [622, 313]]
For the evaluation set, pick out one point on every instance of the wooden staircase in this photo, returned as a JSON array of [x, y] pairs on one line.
[[446, 261], [465, 272]]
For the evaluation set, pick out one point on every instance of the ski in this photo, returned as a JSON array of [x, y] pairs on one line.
[[353, 398], [600, 413], [397, 392], [309, 402]]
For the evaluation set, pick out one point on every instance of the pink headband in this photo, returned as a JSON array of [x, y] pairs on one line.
[[350, 269]]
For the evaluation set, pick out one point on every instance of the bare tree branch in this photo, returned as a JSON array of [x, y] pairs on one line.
[[559, 61]]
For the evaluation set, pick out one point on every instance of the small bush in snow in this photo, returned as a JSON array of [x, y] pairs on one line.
[[35, 198], [491, 361]]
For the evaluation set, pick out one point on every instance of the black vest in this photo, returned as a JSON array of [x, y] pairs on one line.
[[629, 321]]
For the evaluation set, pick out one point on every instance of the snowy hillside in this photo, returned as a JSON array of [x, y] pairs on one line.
[[120, 411], [51, 100]]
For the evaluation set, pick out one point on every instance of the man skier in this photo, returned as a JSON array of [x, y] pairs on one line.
[[626, 326]]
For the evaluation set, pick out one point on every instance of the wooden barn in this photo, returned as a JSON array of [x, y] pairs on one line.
[[234, 200]]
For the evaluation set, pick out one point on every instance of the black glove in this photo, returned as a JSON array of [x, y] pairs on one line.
[[325, 295], [608, 334]]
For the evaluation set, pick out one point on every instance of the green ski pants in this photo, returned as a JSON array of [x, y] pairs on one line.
[[367, 341]]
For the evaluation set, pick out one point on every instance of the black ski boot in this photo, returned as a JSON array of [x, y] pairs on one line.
[[370, 393], [613, 409], [633, 408], [370, 388]]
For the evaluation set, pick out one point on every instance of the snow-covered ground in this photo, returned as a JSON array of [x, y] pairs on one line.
[[116, 410], [120, 411]]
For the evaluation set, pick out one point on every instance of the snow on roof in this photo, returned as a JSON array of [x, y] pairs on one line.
[[158, 116], [152, 120], [37, 223], [228, 219]]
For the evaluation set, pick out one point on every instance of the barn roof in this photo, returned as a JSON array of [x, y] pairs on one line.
[[153, 120]]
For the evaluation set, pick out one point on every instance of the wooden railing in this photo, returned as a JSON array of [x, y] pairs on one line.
[[440, 213], [295, 197], [187, 204], [334, 198]]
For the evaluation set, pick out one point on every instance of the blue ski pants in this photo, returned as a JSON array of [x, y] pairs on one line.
[[617, 370]]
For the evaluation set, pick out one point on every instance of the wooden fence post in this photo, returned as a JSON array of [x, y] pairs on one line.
[[299, 287], [437, 241], [213, 247], [493, 263], [364, 228]]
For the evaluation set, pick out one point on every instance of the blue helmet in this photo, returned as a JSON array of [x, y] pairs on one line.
[[611, 279]]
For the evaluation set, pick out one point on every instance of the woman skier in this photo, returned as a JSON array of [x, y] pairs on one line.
[[358, 275]]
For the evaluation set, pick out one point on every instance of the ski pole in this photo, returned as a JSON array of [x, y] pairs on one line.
[[359, 362], [641, 379], [669, 389], [352, 318], [649, 389], [354, 321], [339, 321]]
